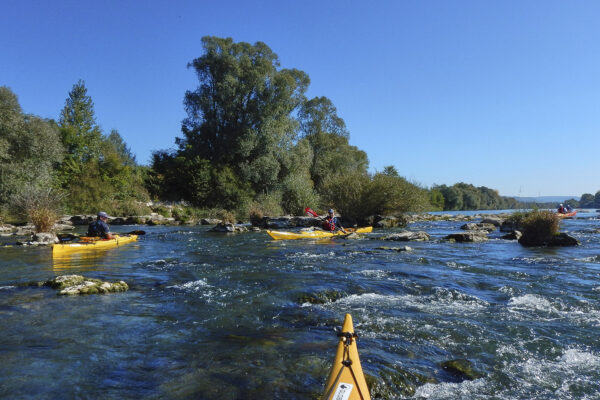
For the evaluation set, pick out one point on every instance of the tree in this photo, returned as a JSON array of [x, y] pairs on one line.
[[328, 137], [30, 150], [597, 199], [81, 135], [239, 117], [587, 200]]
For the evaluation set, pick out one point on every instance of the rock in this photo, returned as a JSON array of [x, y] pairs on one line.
[[462, 369], [63, 227], [561, 239], [77, 284], [385, 222], [26, 230], [322, 297], [496, 221], [82, 219], [509, 226], [398, 249], [228, 228], [5, 228], [210, 221], [45, 238], [514, 235], [353, 236], [479, 227], [406, 236], [469, 236]]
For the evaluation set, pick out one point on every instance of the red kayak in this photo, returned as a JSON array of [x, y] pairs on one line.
[[566, 215]]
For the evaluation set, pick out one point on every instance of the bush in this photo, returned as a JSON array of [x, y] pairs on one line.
[[227, 217], [539, 227], [127, 208], [39, 205]]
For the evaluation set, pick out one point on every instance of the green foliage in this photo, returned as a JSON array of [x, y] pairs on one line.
[[358, 196], [587, 200], [463, 196], [436, 199], [29, 149], [239, 117], [40, 205], [538, 226], [298, 193]]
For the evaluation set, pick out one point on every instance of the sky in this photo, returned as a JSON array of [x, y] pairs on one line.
[[502, 94]]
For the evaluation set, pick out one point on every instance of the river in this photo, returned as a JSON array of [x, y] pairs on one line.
[[215, 316]]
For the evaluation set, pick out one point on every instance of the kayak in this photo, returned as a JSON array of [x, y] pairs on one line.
[[92, 243], [346, 379], [316, 234], [566, 215]]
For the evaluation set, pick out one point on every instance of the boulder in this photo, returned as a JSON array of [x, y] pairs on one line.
[[210, 221], [77, 284], [228, 228], [45, 238], [496, 221], [406, 236], [63, 227], [6, 228], [514, 235], [26, 230], [508, 226], [479, 227], [469, 236], [385, 222], [561, 239], [82, 219]]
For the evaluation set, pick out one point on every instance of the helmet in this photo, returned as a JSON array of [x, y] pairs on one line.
[[330, 211], [103, 214]]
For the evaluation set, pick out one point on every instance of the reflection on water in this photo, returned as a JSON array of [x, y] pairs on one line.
[[81, 260]]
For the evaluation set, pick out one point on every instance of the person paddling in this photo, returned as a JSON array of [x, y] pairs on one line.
[[331, 222], [99, 228]]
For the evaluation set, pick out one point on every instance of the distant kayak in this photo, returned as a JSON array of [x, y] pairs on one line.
[[91, 244], [566, 215], [346, 379], [316, 234]]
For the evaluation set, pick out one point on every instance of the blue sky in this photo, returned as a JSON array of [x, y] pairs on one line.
[[498, 94]]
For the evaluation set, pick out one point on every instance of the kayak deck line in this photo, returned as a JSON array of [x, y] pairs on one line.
[[346, 379], [90, 244], [315, 234]]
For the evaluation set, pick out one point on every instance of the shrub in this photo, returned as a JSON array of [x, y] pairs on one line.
[[227, 217], [539, 227], [39, 205]]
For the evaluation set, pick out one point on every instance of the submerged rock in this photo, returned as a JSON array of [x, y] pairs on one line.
[[322, 297], [78, 284], [462, 369], [398, 249]]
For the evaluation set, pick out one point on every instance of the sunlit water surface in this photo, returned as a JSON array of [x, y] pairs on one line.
[[213, 316]]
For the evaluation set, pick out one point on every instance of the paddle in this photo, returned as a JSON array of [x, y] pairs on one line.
[[310, 211]]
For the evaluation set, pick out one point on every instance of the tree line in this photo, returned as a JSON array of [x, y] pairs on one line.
[[252, 143]]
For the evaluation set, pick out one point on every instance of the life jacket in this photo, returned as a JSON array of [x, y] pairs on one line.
[[329, 224]]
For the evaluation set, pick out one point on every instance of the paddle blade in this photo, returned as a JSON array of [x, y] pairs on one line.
[[308, 210]]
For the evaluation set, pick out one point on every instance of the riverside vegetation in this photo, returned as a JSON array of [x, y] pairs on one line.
[[252, 145]]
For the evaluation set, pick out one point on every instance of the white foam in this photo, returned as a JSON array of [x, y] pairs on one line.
[[7, 287], [447, 390], [193, 285], [531, 302], [373, 273]]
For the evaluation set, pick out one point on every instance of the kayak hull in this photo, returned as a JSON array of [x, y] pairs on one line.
[[346, 378], [92, 244], [316, 234], [566, 215]]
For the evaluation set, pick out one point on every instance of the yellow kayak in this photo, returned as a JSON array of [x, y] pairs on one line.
[[89, 243], [346, 380], [316, 234]]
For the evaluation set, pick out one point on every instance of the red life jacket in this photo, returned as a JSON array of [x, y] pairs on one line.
[[329, 224]]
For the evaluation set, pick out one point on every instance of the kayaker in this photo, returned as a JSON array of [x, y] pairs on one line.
[[568, 209], [331, 222], [99, 228], [561, 209]]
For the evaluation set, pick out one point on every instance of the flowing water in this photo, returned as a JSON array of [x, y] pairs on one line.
[[214, 316]]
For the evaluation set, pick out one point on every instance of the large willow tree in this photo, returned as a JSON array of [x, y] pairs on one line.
[[240, 118]]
